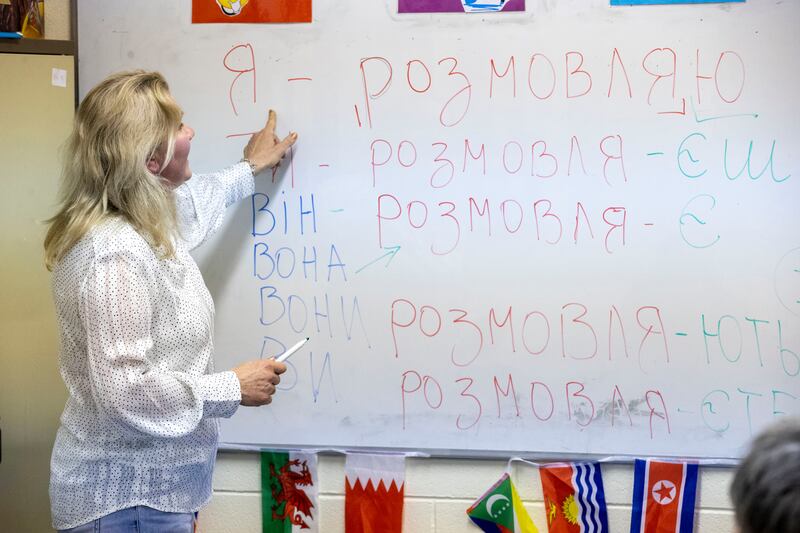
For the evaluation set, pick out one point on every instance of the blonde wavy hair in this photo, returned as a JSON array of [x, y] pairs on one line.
[[126, 120]]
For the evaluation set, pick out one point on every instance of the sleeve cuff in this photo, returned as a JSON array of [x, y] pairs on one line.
[[221, 394]]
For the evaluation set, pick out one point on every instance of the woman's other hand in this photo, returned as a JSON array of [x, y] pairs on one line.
[[258, 380], [264, 150]]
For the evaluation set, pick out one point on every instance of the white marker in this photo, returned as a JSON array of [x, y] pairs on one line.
[[288, 353]]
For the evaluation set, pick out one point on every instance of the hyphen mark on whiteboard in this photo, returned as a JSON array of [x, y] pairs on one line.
[[655, 153], [299, 79], [391, 252]]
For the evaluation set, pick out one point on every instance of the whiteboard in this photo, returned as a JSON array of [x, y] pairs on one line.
[[524, 233]]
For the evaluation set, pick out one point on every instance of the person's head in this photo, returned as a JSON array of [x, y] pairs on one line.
[[766, 487], [127, 150]]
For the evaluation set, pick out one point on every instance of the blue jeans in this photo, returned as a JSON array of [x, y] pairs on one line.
[[139, 519]]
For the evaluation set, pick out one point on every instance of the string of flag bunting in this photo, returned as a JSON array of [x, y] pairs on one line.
[[664, 495]]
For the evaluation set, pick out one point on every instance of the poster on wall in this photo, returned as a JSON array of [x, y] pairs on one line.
[[250, 11], [654, 2], [459, 6], [21, 18]]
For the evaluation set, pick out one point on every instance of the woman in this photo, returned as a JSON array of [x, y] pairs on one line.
[[138, 436]]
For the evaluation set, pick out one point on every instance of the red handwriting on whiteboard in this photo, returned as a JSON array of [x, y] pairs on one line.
[[659, 70], [478, 158], [460, 332], [399, 221], [241, 60], [461, 400]]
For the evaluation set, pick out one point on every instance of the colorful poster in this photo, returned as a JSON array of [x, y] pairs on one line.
[[459, 6], [253, 11], [654, 2]]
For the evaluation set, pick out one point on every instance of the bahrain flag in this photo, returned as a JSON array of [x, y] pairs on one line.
[[374, 485], [663, 497]]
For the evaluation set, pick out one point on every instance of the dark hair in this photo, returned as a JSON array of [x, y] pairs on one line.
[[766, 487]]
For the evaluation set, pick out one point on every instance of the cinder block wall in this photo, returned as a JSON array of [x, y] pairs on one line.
[[437, 494]]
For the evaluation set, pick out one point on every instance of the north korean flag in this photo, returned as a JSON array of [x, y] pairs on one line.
[[663, 497]]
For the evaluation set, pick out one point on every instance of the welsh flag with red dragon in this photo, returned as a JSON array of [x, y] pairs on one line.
[[289, 492]]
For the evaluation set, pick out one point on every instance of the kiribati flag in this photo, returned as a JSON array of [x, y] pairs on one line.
[[663, 497], [574, 498]]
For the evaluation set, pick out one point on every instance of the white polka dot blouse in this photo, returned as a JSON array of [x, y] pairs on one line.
[[139, 426]]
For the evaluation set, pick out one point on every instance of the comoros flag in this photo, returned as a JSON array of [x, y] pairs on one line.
[[288, 492], [500, 510], [574, 499], [663, 497]]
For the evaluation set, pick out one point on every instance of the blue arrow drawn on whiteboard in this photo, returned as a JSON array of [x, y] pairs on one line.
[[392, 251]]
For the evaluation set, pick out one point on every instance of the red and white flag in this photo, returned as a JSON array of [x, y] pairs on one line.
[[374, 486]]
